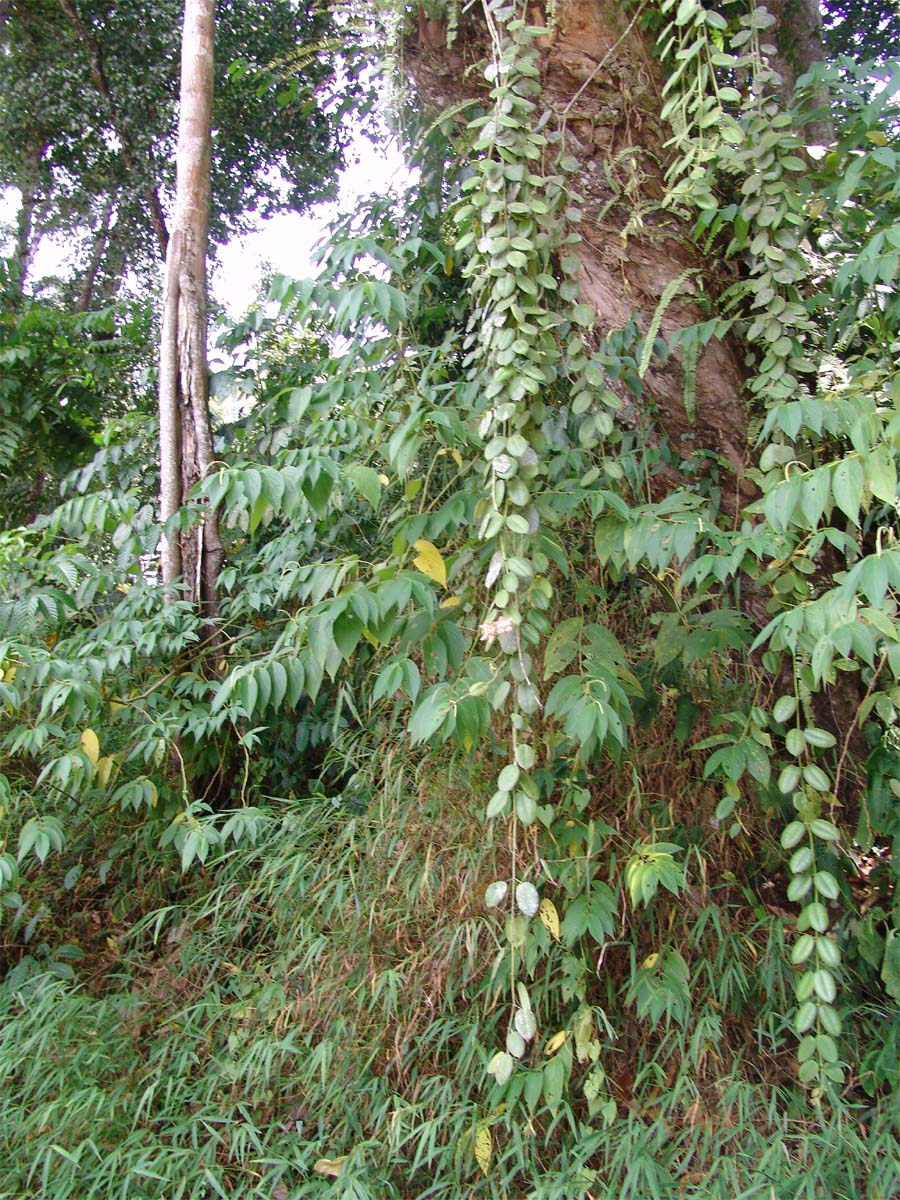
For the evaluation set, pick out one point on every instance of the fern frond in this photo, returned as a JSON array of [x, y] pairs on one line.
[[671, 291], [689, 356]]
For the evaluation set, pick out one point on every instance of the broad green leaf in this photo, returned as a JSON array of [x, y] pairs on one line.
[[389, 680], [526, 809], [317, 487], [793, 834], [429, 713], [367, 482], [670, 640], [814, 495], [501, 1067], [346, 631], [562, 646], [525, 756], [890, 968], [803, 948], [801, 859], [554, 1081], [816, 777], [847, 487], [881, 474], [515, 1043], [279, 680], [517, 523], [784, 709], [508, 777], [824, 985]]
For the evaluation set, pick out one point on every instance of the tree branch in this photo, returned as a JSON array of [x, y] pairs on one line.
[[129, 155]]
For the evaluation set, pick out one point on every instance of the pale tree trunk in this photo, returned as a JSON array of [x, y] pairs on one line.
[[184, 427]]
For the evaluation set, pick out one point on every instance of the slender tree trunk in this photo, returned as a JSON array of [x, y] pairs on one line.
[[798, 45], [26, 241], [100, 242], [185, 436]]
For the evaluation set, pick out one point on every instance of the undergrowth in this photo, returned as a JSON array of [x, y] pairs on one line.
[[314, 1018]]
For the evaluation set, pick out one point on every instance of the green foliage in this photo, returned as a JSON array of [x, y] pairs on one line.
[[90, 123], [521, 830], [64, 376]]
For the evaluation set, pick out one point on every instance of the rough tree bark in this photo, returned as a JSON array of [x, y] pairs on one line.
[[604, 86], [184, 429], [799, 45]]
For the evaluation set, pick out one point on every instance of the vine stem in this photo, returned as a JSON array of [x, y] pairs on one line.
[[601, 64]]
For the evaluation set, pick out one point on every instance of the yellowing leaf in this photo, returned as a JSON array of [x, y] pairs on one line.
[[384, 481], [484, 1147], [10, 674], [104, 769], [90, 744], [451, 602], [330, 1166], [550, 918], [649, 962], [430, 562], [457, 458], [555, 1042]]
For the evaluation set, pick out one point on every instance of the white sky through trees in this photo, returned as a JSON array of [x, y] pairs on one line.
[[283, 244]]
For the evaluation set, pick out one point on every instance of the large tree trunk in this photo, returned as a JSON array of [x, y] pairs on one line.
[[185, 437], [604, 87]]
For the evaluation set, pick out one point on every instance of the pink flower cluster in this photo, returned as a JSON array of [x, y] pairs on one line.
[[493, 629]]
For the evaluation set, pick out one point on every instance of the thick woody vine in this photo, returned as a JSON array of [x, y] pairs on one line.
[[816, 488], [526, 341], [525, 338], [721, 131]]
